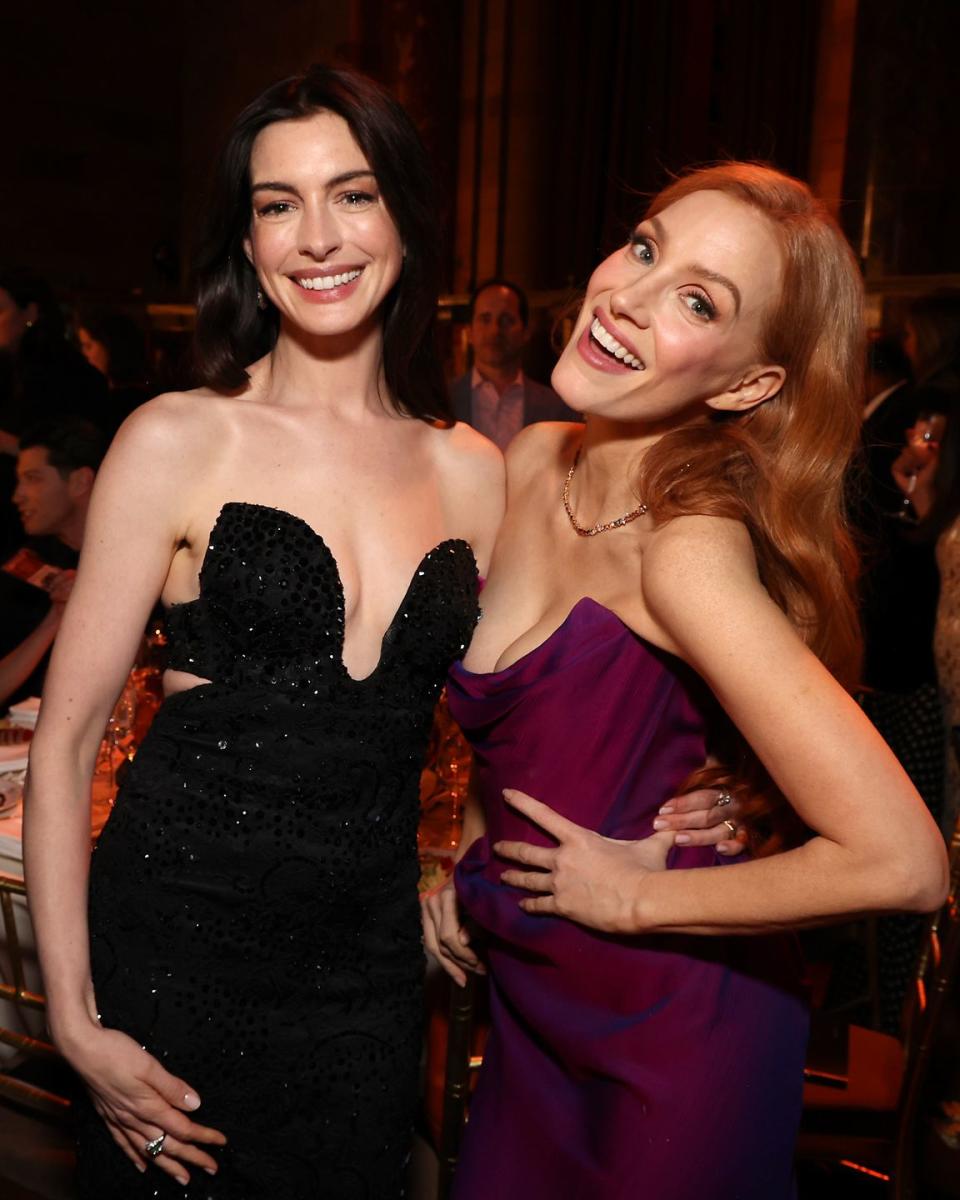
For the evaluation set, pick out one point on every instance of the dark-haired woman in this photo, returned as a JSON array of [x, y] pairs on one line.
[[314, 525], [680, 556]]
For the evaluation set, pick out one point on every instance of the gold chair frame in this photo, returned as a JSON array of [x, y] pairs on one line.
[[16, 992]]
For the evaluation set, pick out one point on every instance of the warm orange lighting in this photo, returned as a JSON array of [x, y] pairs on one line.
[[852, 1166]]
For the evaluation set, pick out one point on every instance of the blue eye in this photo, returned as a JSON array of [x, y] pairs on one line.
[[641, 249], [700, 305]]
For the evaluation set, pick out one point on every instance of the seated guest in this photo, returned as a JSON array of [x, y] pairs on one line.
[[496, 397], [41, 376], [56, 467]]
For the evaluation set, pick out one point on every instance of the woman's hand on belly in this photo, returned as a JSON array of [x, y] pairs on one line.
[[445, 935], [586, 877], [139, 1100]]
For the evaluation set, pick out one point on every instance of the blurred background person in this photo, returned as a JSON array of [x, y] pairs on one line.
[[115, 345], [56, 467], [495, 396], [41, 375], [927, 471]]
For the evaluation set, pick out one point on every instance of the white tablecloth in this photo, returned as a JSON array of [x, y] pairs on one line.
[[22, 1020]]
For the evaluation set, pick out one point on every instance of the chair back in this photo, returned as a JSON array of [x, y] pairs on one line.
[[16, 993]]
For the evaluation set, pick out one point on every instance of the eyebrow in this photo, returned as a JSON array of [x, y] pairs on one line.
[[696, 269], [276, 185]]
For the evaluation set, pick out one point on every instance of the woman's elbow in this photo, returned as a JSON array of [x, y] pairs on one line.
[[923, 879]]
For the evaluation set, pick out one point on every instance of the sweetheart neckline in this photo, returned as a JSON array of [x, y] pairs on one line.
[[524, 658], [341, 597]]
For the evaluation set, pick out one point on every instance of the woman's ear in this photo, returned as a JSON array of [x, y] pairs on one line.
[[759, 383]]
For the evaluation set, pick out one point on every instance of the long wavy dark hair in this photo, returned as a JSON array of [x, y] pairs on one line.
[[232, 331]]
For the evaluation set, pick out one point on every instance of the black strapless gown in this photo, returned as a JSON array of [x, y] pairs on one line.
[[253, 900]]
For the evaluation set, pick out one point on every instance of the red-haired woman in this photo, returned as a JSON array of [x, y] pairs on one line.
[[673, 575]]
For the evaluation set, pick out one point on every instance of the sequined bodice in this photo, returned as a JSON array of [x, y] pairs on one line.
[[271, 608], [253, 899]]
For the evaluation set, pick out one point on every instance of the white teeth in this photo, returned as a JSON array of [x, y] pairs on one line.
[[612, 346], [323, 283]]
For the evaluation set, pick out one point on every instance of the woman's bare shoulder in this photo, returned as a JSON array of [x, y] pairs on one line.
[[182, 420], [698, 551], [700, 573], [460, 448], [540, 444]]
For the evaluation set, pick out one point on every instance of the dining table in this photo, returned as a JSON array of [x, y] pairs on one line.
[[13, 1016]]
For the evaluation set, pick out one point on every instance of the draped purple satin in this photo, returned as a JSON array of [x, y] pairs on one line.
[[658, 1067]]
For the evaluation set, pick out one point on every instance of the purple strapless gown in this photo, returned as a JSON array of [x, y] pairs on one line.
[[648, 1068]]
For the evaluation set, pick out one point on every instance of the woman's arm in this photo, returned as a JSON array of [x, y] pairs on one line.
[[133, 528], [875, 846]]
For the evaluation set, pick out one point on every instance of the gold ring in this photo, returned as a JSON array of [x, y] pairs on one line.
[[733, 829]]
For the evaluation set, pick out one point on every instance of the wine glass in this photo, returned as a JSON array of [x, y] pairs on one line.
[[117, 742]]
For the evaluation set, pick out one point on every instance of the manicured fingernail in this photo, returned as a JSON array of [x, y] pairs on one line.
[[658, 824], [183, 1180], [191, 1100], [141, 1168], [666, 810], [723, 849], [210, 1170], [681, 839]]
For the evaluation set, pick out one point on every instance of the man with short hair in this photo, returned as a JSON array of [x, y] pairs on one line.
[[496, 397], [56, 468]]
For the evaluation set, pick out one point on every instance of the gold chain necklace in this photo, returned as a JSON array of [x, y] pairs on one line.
[[601, 526]]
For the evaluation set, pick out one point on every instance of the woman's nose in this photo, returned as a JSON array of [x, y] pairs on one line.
[[319, 234], [633, 301]]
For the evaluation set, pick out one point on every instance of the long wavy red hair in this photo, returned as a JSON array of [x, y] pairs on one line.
[[781, 468]]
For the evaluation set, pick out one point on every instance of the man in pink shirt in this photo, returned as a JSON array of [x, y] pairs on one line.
[[496, 397]]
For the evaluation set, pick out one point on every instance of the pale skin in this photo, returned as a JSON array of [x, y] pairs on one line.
[[312, 433], [687, 299]]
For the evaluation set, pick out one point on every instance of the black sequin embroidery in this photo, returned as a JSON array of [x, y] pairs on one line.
[[253, 899]]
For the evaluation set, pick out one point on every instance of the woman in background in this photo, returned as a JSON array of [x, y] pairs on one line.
[[928, 473]]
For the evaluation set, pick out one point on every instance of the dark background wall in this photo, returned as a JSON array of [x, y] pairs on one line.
[[545, 120]]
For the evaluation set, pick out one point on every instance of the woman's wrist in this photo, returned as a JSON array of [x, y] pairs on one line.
[[639, 910], [71, 1025]]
